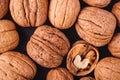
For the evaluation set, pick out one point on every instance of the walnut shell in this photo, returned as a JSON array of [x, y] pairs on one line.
[[63, 13], [48, 46], [29, 13], [96, 26], [3, 7], [16, 66], [9, 37], [87, 78], [97, 3], [82, 58], [114, 45], [116, 11], [59, 74], [108, 69]]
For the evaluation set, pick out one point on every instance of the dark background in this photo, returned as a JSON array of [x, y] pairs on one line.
[[25, 34]]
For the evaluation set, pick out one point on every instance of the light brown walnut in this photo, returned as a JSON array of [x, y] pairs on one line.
[[108, 69], [16, 66], [3, 7], [9, 37], [114, 45], [98, 3], [63, 13], [59, 74], [96, 26], [116, 11], [29, 13], [47, 46], [87, 78]]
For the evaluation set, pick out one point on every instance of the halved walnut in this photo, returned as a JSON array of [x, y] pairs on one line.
[[82, 58]]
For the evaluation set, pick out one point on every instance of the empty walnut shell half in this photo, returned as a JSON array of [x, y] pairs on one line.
[[59, 74], [82, 58], [47, 46], [108, 69], [87, 78], [96, 26], [16, 66]]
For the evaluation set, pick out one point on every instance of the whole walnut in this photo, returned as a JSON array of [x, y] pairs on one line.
[[63, 13], [96, 26], [16, 66], [59, 74], [3, 7], [9, 37], [97, 3], [114, 45], [47, 46], [108, 69], [29, 13], [116, 11], [87, 78]]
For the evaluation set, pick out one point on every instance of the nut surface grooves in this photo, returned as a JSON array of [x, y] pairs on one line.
[[48, 46]]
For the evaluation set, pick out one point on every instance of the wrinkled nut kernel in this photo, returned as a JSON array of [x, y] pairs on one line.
[[82, 58]]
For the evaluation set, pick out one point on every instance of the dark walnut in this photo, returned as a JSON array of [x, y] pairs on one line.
[[82, 58], [87, 78], [29, 13], [108, 69], [3, 7], [96, 26], [116, 11], [16, 66], [59, 74], [114, 45], [63, 13], [47, 46]]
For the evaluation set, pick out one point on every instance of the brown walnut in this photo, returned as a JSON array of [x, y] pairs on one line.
[[29, 13], [82, 58], [108, 69]]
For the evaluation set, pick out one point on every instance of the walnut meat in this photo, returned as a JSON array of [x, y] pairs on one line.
[[87, 78], [59, 74], [63, 13], [29, 13], [82, 58], [97, 3], [96, 26], [47, 46], [108, 69], [16, 66], [114, 45], [116, 11], [9, 37]]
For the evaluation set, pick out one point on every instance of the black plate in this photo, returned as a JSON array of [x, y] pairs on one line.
[[25, 34]]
